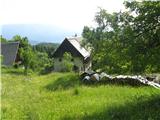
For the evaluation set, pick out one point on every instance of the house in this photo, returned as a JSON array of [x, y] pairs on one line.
[[80, 56], [9, 53]]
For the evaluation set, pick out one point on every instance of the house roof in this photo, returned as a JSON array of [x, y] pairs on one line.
[[9, 52], [73, 46]]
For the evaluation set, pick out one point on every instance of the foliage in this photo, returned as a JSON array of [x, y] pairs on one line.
[[23, 41], [2, 39], [59, 96], [42, 62], [126, 42], [31, 57], [27, 58], [67, 63], [48, 48], [1, 59], [24, 54]]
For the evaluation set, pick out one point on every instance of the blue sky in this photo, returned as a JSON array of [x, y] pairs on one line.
[[38, 32], [51, 20]]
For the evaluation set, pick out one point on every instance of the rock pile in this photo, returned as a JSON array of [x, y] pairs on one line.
[[93, 77]]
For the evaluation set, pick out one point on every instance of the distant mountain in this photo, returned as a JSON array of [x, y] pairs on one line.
[[32, 42], [45, 44], [37, 33], [48, 48]]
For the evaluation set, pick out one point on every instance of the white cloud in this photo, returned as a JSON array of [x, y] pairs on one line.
[[69, 14]]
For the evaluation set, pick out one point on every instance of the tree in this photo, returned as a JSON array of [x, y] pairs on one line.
[[126, 42], [1, 59], [67, 63], [25, 52], [41, 62], [26, 55], [146, 27], [48, 48], [2, 39]]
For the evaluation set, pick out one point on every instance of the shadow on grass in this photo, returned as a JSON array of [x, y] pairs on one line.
[[66, 82], [130, 83], [143, 108], [114, 83], [46, 70]]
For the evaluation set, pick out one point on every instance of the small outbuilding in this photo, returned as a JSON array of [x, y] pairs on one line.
[[80, 56], [9, 53]]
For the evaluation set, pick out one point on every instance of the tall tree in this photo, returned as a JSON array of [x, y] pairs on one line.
[[146, 26], [66, 62], [2, 39], [27, 58], [126, 41], [25, 52]]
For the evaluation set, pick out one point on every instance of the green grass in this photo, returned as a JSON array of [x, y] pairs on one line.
[[60, 96]]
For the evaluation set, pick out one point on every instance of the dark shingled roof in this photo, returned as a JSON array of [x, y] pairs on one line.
[[73, 46], [9, 52]]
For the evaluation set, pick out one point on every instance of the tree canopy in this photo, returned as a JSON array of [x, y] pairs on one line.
[[48, 48], [126, 42]]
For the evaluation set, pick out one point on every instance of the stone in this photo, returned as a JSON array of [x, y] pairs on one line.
[[95, 77], [86, 78]]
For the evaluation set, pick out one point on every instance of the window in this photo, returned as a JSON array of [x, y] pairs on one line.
[[75, 68], [60, 59], [72, 60]]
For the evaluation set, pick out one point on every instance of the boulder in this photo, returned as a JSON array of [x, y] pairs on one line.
[[105, 77], [91, 76], [157, 79], [87, 73], [95, 77], [86, 78]]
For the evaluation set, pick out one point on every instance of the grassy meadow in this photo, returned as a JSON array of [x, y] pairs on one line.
[[61, 96]]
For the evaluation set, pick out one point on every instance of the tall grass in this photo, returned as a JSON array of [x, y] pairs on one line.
[[60, 96]]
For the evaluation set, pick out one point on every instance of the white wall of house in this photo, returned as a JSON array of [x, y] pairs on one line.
[[87, 66], [58, 65], [79, 63]]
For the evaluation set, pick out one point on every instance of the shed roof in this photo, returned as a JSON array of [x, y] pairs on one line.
[[73, 46], [9, 52]]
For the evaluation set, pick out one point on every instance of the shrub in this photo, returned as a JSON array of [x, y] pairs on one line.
[[68, 65], [76, 91]]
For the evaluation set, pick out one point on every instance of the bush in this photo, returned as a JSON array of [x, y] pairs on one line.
[[16, 65], [68, 65], [76, 91], [41, 63], [47, 69]]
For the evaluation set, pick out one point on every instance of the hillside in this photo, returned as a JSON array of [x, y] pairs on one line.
[[61, 96], [45, 47], [45, 44]]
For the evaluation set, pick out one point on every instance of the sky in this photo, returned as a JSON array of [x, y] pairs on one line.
[[69, 16]]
